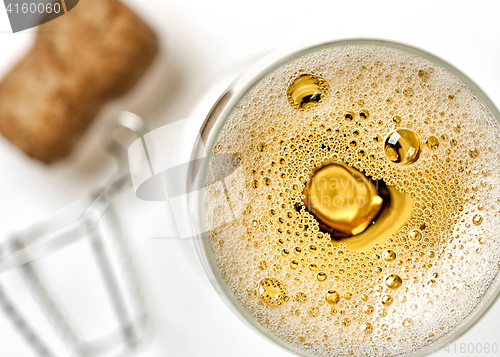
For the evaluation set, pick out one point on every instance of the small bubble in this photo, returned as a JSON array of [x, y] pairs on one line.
[[368, 309], [261, 147], [389, 255], [349, 116], [267, 181], [387, 300], [262, 265], [364, 113], [432, 142], [367, 328], [332, 297], [415, 235], [402, 146], [473, 153], [294, 264], [477, 219], [255, 183], [396, 119], [393, 281], [348, 295], [321, 276], [346, 322]]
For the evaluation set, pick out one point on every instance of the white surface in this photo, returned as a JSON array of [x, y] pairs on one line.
[[200, 40]]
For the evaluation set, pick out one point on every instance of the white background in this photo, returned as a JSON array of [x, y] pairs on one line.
[[201, 40]]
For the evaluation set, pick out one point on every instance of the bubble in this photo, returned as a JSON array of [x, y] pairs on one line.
[[364, 113], [261, 147], [393, 281], [387, 300], [321, 276], [306, 92], [332, 297], [402, 146], [389, 255], [367, 328], [294, 264], [396, 119], [432, 142], [477, 219], [349, 116], [415, 235], [272, 291], [473, 153], [368, 309], [338, 207]]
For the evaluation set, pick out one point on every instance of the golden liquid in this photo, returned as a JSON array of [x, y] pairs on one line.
[[367, 204]]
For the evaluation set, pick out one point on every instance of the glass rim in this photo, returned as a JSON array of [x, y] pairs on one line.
[[216, 120]]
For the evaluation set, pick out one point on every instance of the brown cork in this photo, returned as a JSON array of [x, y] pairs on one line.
[[79, 61]]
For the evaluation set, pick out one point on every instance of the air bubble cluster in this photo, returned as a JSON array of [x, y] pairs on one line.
[[421, 136]]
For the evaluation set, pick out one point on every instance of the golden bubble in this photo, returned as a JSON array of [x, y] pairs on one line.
[[332, 297], [432, 142], [389, 255], [255, 183], [364, 113], [473, 153], [321, 276], [313, 267], [285, 252], [272, 291], [367, 328], [415, 235], [267, 181], [387, 300], [338, 207], [306, 92], [396, 119], [393, 281], [261, 147], [477, 219], [294, 264], [368, 309], [349, 116], [297, 250], [402, 146]]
